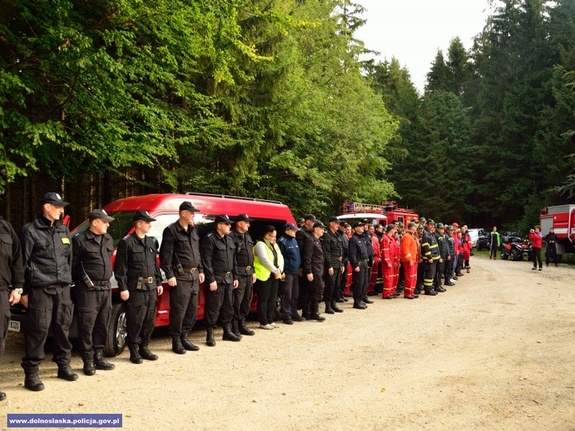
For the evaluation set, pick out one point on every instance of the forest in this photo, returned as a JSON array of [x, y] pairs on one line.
[[274, 99]]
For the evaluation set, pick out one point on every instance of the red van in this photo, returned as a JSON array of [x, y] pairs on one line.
[[165, 208]]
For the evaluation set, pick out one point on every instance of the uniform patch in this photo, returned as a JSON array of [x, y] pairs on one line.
[[66, 240]]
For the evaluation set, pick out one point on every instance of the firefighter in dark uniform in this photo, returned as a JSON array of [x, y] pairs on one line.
[[313, 268], [345, 259], [358, 258], [218, 259], [242, 296], [11, 279], [430, 256], [47, 253], [443, 247], [91, 273], [180, 260], [333, 252], [140, 282]]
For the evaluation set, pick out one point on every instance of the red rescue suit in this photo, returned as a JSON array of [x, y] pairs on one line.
[[388, 260]]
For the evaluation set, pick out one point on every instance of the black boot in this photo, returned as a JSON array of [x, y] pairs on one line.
[[305, 311], [32, 381], [145, 353], [328, 309], [100, 361], [66, 373], [335, 308], [314, 314], [135, 357], [236, 329], [243, 328], [228, 334], [210, 341], [187, 344], [177, 346], [89, 368]]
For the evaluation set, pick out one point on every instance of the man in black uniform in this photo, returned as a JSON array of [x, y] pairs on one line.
[[180, 260], [342, 235], [47, 252], [140, 282], [313, 268], [358, 258], [333, 252], [365, 299], [301, 236], [218, 259], [443, 248], [91, 272], [242, 296], [11, 279]]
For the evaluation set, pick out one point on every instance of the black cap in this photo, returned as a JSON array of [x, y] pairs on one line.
[[244, 217], [100, 214], [222, 218], [54, 199], [400, 225], [188, 206], [366, 221], [410, 224], [334, 218], [318, 224], [449, 227], [309, 217], [358, 224], [439, 225], [430, 221], [143, 215]]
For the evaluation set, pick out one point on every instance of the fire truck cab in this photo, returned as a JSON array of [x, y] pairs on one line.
[[562, 219]]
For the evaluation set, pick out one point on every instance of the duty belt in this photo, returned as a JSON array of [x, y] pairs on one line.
[[222, 274], [364, 260], [247, 268], [190, 270], [148, 280]]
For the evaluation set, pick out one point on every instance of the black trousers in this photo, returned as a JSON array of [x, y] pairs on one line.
[[332, 282], [438, 279], [242, 297], [93, 308], [267, 295], [315, 289], [448, 269], [429, 270], [218, 304], [343, 280], [184, 305], [140, 316], [47, 306], [4, 319], [365, 285], [551, 254], [358, 280], [536, 253]]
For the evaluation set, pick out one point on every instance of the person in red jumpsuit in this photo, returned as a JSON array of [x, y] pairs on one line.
[[388, 261]]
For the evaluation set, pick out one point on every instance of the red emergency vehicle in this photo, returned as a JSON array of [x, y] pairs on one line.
[[562, 219]]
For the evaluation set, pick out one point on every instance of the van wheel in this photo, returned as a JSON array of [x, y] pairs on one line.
[[117, 331], [514, 255]]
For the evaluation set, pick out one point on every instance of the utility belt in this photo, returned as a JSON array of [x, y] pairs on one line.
[[247, 268], [363, 260], [336, 259], [223, 274], [144, 280]]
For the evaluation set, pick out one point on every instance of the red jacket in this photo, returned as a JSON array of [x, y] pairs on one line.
[[536, 239]]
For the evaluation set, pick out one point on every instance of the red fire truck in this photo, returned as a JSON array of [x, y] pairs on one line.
[[562, 219]]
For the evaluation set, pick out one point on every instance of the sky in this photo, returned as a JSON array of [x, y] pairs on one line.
[[413, 30]]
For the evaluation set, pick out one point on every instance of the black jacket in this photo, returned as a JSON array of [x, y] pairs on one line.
[[313, 257], [429, 247], [11, 263], [47, 252], [442, 245], [244, 252], [92, 255], [136, 257], [219, 258], [332, 249], [180, 247], [357, 250]]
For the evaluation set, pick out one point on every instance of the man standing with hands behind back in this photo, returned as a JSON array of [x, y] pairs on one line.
[[11, 279], [180, 260]]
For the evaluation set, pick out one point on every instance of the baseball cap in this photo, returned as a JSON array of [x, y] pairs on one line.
[[244, 217], [290, 226], [222, 218], [309, 217], [318, 224], [54, 199], [187, 205], [100, 214], [143, 215]]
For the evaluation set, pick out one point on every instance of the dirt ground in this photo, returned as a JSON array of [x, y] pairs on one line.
[[495, 352]]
